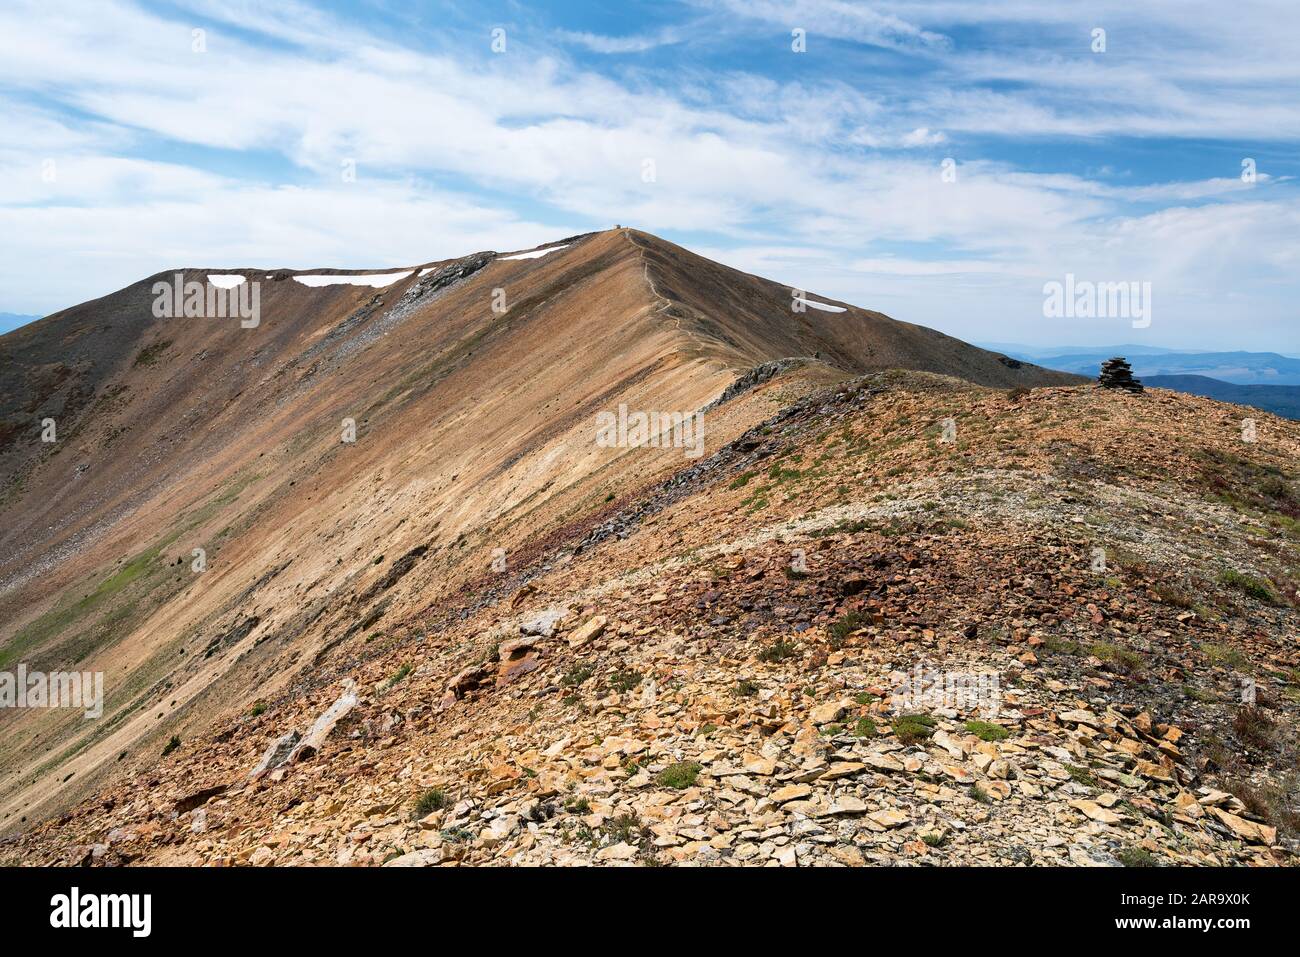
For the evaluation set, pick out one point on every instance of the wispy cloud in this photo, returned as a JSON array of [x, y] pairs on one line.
[[599, 43], [903, 182], [839, 19]]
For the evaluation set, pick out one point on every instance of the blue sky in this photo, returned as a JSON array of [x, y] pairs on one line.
[[128, 147]]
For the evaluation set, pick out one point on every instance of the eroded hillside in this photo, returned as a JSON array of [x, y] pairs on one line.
[[717, 665], [227, 502]]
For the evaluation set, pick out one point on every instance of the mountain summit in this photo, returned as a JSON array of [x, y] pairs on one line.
[[603, 552]]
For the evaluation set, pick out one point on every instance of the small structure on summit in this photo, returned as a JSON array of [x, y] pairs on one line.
[[1116, 373]]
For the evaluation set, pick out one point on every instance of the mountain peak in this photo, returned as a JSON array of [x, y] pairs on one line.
[[653, 522]]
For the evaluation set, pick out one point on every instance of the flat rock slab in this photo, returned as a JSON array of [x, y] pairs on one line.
[[325, 724]]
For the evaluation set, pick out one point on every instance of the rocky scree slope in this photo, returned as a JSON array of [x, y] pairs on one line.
[[717, 682], [474, 434]]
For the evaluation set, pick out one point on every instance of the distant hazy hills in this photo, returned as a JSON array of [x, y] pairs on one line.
[[1241, 368], [1263, 380], [1283, 400], [12, 320]]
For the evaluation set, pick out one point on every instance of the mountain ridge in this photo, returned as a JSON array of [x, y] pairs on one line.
[[1283, 400], [417, 554], [172, 433], [1238, 368]]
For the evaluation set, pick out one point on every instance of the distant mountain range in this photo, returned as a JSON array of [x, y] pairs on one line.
[[1283, 400], [1019, 349], [1241, 368], [1262, 380], [12, 320]]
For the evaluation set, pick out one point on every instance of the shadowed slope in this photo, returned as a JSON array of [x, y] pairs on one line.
[[751, 319]]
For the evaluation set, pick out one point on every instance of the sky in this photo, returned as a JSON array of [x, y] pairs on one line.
[[941, 161]]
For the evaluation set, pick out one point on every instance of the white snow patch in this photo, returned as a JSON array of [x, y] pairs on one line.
[[376, 280], [536, 253], [823, 306], [227, 281]]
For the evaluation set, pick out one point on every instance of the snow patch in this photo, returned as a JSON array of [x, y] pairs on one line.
[[823, 306], [535, 254], [226, 281], [376, 280]]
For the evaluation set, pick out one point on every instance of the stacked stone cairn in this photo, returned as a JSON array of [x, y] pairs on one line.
[[1117, 374]]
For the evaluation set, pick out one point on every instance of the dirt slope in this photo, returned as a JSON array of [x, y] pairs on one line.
[[724, 684], [379, 560], [753, 320]]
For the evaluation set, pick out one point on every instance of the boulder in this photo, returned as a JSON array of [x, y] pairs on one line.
[[276, 755], [325, 724]]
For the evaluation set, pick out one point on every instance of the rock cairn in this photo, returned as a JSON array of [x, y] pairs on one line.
[[1116, 373]]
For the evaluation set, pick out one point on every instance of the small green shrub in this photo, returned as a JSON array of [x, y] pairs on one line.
[[577, 675], [1224, 655], [398, 675], [986, 731], [1081, 775], [844, 626], [779, 650], [625, 680], [1136, 857], [428, 802], [911, 728], [1248, 585], [1125, 658], [1254, 727], [680, 775]]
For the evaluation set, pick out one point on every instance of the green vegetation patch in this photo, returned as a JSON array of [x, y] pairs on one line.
[[65, 615], [778, 650], [679, 776], [1248, 585], [845, 626], [986, 731], [911, 728], [151, 353], [431, 800], [1136, 857]]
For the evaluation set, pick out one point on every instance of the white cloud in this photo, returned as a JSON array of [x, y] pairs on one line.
[[599, 43], [890, 266], [840, 19], [447, 142], [921, 136], [96, 249]]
